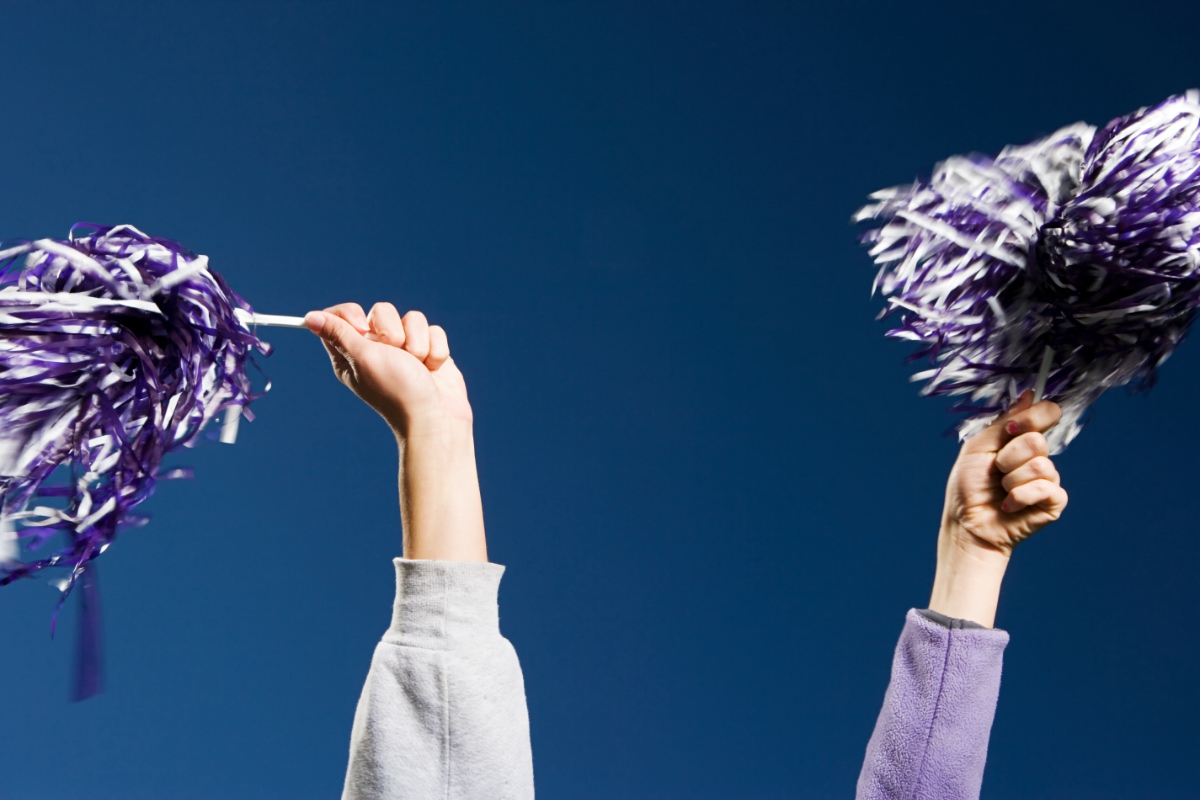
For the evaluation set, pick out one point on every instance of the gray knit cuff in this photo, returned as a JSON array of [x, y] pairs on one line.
[[947, 622], [440, 604]]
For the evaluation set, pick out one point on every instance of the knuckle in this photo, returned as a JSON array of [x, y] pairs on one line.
[[388, 333], [1048, 496], [352, 313], [1043, 467], [1036, 444], [385, 315], [1039, 492], [1012, 456], [342, 309]]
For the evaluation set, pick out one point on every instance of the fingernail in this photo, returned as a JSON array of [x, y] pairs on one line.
[[1011, 427], [1005, 506], [315, 321]]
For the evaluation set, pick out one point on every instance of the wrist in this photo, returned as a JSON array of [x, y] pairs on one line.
[[433, 426], [968, 578]]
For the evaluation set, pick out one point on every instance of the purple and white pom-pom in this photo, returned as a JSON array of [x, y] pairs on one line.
[[115, 349], [1069, 265]]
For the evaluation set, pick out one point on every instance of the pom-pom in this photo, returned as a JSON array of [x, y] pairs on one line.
[[1071, 263], [115, 349]]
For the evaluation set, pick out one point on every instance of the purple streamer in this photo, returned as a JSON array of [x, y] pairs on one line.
[[115, 349], [89, 671], [1085, 243]]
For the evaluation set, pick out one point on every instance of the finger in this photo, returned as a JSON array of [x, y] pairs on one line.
[[416, 334], [994, 436], [336, 333], [1041, 418], [386, 325], [1040, 468], [439, 348], [352, 313], [1047, 496], [1024, 448]]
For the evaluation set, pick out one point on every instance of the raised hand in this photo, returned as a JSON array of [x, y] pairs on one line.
[[401, 367], [1002, 489]]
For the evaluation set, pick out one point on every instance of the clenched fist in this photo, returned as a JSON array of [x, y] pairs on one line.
[[400, 366], [1002, 489]]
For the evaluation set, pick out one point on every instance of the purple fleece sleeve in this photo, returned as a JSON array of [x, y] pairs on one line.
[[931, 739]]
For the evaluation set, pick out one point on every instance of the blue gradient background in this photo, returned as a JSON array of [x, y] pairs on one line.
[[713, 486]]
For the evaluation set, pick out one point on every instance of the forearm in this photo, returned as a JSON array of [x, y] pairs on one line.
[[967, 582], [440, 506]]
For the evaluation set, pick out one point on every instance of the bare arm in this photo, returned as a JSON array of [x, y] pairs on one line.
[[442, 712]]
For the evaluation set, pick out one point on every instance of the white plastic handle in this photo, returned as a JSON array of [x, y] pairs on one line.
[[272, 320], [1039, 388]]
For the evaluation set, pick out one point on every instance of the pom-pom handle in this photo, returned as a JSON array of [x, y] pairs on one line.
[[270, 320], [1039, 388]]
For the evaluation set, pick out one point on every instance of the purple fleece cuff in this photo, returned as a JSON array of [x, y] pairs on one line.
[[930, 742]]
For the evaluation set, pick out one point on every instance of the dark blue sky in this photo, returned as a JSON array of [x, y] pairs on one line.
[[713, 486]]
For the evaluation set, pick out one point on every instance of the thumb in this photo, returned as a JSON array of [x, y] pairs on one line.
[[336, 332], [994, 436]]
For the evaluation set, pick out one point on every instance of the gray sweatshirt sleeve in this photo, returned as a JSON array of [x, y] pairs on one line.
[[442, 714], [931, 738]]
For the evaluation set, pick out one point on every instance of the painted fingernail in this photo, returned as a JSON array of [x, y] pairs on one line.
[[1005, 506], [1011, 427]]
